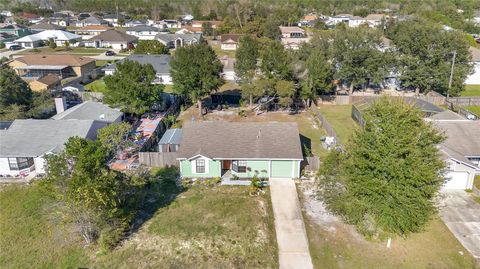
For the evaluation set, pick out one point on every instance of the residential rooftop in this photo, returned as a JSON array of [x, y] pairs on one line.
[[90, 111], [54, 59]]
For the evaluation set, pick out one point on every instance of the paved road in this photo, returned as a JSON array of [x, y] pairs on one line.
[[462, 216], [290, 229]]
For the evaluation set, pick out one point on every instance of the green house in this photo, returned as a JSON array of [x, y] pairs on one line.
[[243, 149]]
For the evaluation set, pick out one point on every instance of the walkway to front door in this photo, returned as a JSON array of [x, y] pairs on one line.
[[290, 229]]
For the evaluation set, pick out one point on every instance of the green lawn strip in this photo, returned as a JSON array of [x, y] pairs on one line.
[[220, 53], [205, 227], [339, 116], [27, 237], [63, 50], [476, 181], [471, 90], [96, 86], [474, 109], [436, 247]]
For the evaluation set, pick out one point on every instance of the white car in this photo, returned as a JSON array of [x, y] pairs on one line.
[[70, 89]]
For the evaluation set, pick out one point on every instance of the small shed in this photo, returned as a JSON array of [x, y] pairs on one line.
[[170, 141]]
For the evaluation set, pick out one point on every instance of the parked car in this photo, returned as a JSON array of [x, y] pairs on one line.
[[15, 47], [109, 53]]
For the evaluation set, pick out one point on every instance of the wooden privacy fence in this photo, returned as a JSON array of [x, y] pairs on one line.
[[158, 159], [464, 101], [311, 163], [325, 124]]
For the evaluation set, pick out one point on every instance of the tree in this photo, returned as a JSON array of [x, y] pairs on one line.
[[150, 47], [285, 90], [196, 72], [386, 178], [131, 88], [207, 29], [275, 61], [52, 44], [113, 137], [357, 57], [67, 45], [246, 55], [92, 194], [13, 90], [271, 28], [425, 61], [318, 77]]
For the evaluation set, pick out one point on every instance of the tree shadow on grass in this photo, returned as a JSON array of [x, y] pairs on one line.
[[159, 190]]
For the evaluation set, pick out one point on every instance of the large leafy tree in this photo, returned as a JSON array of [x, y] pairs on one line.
[[13, 90], [150, 47], [131, 88], [318, 75], [276, 61], [196, 72], [386, 178], [93, 195], [357, 57], [113, 137], [246, 55], [425, 53]]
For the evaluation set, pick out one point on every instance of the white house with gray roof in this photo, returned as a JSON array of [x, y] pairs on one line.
[[24, 143], [160, 62], [143, 32], [174, 41]]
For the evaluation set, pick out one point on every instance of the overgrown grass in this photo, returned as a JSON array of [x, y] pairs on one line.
[[339, 116], [205, 227], [471, 90], [96, 85], [28, 238], [436, 247], [474, 109]]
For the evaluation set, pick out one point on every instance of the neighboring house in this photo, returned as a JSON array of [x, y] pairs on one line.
[[375, 20], [170, 141], [174, 41], [90, 31], [134, 23], [228, 68], [474, 78], [356, 21], [230, 41], [15, 29], [60, 21], [26, 142], [112, 19], [6, 13], [197, 26], [160, 62], [143, 32], [112, 39], [30, 17], [171, 24], [340, 18], [91, 111], [4, 38], [49, 82], [242, 149], [461, 151], [92, 20], [293, 37], [58, 36], [43, 26], [309, 20], [35, 66]]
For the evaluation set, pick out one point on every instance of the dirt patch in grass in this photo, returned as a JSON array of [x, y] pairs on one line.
[[334, 244]]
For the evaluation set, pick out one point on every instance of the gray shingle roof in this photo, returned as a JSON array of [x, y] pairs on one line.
[[173, 37], [171, 136], [463, 138], [143, 28], [160, 62], [241, 140], [90, 111], [32, 138], [114, 36]]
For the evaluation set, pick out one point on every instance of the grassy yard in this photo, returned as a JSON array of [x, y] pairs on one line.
[[436, 247], [204, 227], [471, 90], [220, 52], [474, 109], [339, 116], [96, 85], [476, 181]]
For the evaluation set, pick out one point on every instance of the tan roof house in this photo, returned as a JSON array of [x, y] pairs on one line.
[[230, 41], [49, 82], [36, 66]]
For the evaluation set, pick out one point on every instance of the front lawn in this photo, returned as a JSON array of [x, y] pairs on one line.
[[220, 53], [339, 116], [205, 227], [471, 90], [96, 85], [337, 245]]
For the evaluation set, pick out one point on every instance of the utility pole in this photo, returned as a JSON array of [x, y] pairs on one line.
[[451, 74]]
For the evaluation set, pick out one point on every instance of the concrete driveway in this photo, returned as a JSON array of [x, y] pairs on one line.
[[461, 214], [289, 227]]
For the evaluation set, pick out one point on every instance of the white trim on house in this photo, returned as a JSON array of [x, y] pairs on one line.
[[194, 165], [235, 158]]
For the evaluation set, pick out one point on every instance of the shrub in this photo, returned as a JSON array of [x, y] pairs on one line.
[[52, 45], [235, 177], [109, 237], [2, 45]]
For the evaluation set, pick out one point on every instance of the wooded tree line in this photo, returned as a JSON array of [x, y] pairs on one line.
[[248, 16], [418, 54]]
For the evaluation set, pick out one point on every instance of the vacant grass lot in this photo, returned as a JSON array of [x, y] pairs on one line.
[[339, 116], [471, 90], [436, 247], [28, 237], [204, 227]]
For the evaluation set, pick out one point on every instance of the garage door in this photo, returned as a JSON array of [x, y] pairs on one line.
[[456, 181]]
